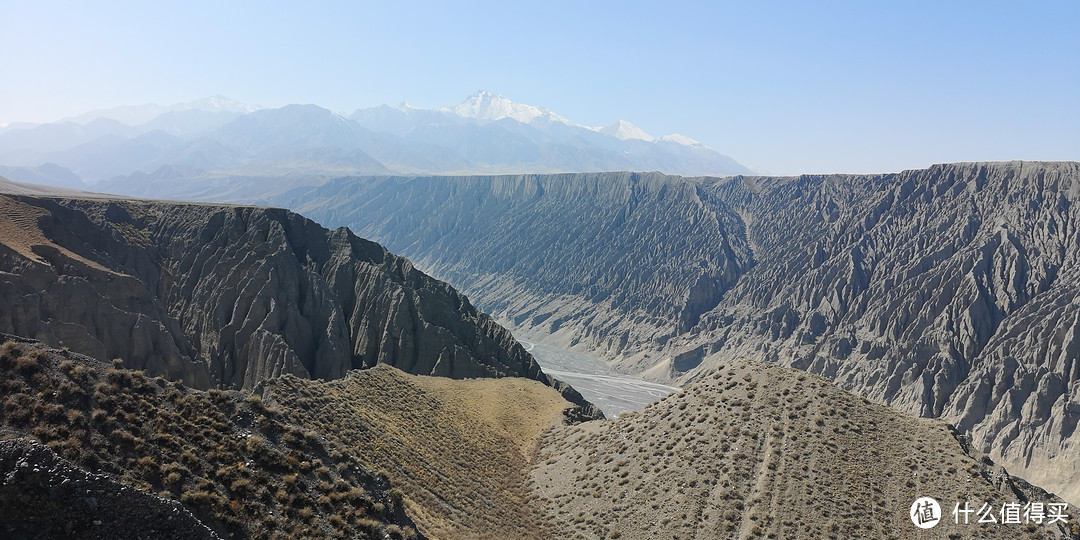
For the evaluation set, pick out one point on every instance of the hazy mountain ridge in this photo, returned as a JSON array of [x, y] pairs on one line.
[[48, 174], [135, 115], [217, 137], [221, 296], [945, 292]]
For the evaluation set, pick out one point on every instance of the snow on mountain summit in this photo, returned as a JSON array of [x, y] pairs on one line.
[[625, 130], [490, 106], [682, 139]]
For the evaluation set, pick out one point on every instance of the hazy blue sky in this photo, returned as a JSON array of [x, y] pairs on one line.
[[785, 87]]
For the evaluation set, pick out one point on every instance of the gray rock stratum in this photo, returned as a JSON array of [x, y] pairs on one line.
[[947, 292], [227, 296]]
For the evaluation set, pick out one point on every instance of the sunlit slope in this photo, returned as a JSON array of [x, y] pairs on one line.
[[458, 450], [758, 450]]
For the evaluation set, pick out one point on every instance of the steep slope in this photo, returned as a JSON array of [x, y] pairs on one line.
[[944, 292], [220, 296], [298, 458], [141, 444], [759, 450], [458, 450]]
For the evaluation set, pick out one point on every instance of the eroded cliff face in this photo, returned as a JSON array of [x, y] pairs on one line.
[[947, 292], [227, 296], [617, 262]]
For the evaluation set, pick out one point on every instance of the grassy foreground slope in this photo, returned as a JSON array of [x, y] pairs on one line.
[[755, 450], [239, 467], [459, 450], [758, 450]]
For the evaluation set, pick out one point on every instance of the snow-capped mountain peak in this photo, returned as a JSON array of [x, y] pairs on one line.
[[625, 130], [485, 105]]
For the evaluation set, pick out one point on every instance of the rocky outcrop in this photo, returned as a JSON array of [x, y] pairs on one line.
[[946, 292], [44, 496], [227, 296]]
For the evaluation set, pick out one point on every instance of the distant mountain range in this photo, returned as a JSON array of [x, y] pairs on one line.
[[220, 138]]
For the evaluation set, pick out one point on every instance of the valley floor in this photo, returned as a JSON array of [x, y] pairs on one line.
[[613, 392]]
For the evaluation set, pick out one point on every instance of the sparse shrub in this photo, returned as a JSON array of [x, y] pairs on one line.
[[240, 485], [9, 350], [255, 444], [28, 364], [397, 497]]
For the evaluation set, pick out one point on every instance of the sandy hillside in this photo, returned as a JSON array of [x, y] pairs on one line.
[[458, 449], [759, 450]]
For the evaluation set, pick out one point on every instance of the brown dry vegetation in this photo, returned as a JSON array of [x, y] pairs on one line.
[[754, 451], [459, 450], [762, 451], [238, 465]]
